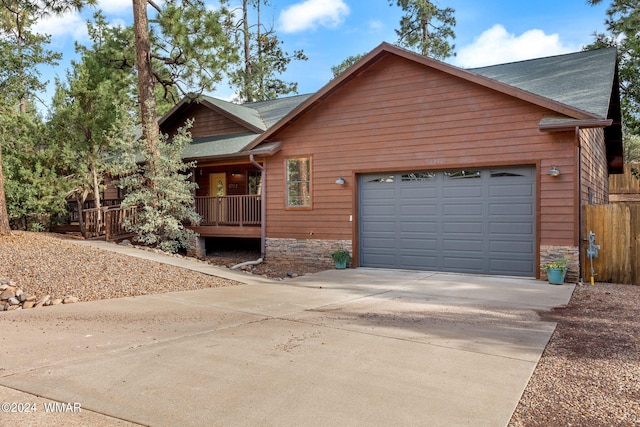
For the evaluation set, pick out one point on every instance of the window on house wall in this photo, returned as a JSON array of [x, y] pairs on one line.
[[298, 191]]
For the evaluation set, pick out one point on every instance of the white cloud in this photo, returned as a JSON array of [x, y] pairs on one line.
[[497, 46], [68, 24], [313, 13], [376, 26], [115, 6]]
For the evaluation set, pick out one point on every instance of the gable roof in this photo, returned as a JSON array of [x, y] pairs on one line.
[[256, 117], [582, 80], [562, 84]]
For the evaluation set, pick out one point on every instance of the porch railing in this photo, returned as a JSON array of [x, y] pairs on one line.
[[107, 221], [72, 207], [229, 210]]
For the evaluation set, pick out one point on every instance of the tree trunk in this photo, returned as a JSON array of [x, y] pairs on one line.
[[83, 227], [248, 70], [96, 191], [146, 83], [146, 93], [5, 230]]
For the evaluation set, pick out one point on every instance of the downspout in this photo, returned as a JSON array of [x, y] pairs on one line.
[[263, 206], [579, 163]]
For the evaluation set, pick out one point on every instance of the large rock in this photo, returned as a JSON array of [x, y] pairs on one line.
[[9, 292], [42, 301]]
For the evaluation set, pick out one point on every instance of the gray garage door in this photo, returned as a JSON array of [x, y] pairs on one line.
[[470, 221]]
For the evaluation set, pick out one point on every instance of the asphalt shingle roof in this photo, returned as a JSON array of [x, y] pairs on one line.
[[582, 80]]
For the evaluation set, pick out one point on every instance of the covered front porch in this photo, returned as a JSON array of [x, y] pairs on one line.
[[229, 200]]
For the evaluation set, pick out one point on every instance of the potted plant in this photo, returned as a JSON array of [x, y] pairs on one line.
[[341, 257], [556, 270]]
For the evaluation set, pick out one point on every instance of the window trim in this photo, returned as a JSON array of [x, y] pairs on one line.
[[286, 183]]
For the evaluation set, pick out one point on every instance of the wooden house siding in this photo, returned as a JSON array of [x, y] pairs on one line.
[[207, 122], [593, 162], [399, 115]]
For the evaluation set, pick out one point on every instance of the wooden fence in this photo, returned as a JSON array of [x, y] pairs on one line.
[[617, 231]]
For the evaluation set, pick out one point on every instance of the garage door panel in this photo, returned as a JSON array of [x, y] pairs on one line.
[[460, 227], [418, 192], [418, 227], [418, 262], [379, 261], [420, 244], [472, 221], [463, 245], [508, 248], [462, 263], [461, 208], [512, 229], [510, 209], [510, 267], [420, 211], [511, 190]]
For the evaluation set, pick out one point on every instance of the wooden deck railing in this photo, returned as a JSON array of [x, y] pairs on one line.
[[107, 221], [229, 210], [72, 207]]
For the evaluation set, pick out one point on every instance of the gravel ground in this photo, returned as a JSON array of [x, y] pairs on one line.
[[44, 264], [589, 374]]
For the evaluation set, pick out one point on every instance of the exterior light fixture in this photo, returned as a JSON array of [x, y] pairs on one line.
[[553, 171], [340, 181]]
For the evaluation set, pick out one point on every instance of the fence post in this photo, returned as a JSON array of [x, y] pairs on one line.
[[107, 225]]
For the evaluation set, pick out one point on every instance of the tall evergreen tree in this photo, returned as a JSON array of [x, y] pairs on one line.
[[83, 109], [342, 67], [426, 28], [185, 47], [21, 52], [263, 58], [623, 23]]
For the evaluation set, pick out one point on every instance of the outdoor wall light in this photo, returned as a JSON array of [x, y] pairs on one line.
[[340, 181], [553, 171]]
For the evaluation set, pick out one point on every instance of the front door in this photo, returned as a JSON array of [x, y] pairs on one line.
[[217, 191], [218, 184]]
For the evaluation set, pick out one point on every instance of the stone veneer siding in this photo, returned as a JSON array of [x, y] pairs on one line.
[[305, 250], [571, 253]]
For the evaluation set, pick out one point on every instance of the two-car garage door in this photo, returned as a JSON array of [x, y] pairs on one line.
[[471, 221]]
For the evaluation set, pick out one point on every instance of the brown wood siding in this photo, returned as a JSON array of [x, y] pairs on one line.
[[207, 122], [402, 116], [110, 190], [593, 159]]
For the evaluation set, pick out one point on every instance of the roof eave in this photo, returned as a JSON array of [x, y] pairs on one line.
[[566, 125], [238, 155]]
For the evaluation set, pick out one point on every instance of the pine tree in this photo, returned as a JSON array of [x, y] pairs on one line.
[[426, 28]]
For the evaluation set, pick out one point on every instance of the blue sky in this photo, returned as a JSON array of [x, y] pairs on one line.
[[487, 32]]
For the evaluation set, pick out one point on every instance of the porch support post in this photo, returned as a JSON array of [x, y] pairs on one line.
[[198, 249], [263, 207]]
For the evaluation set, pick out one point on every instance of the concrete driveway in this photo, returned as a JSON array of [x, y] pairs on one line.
[[355, 347]]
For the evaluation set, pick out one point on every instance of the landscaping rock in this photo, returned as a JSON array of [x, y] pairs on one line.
[[13, 297], [42, 300], [9, 292]]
